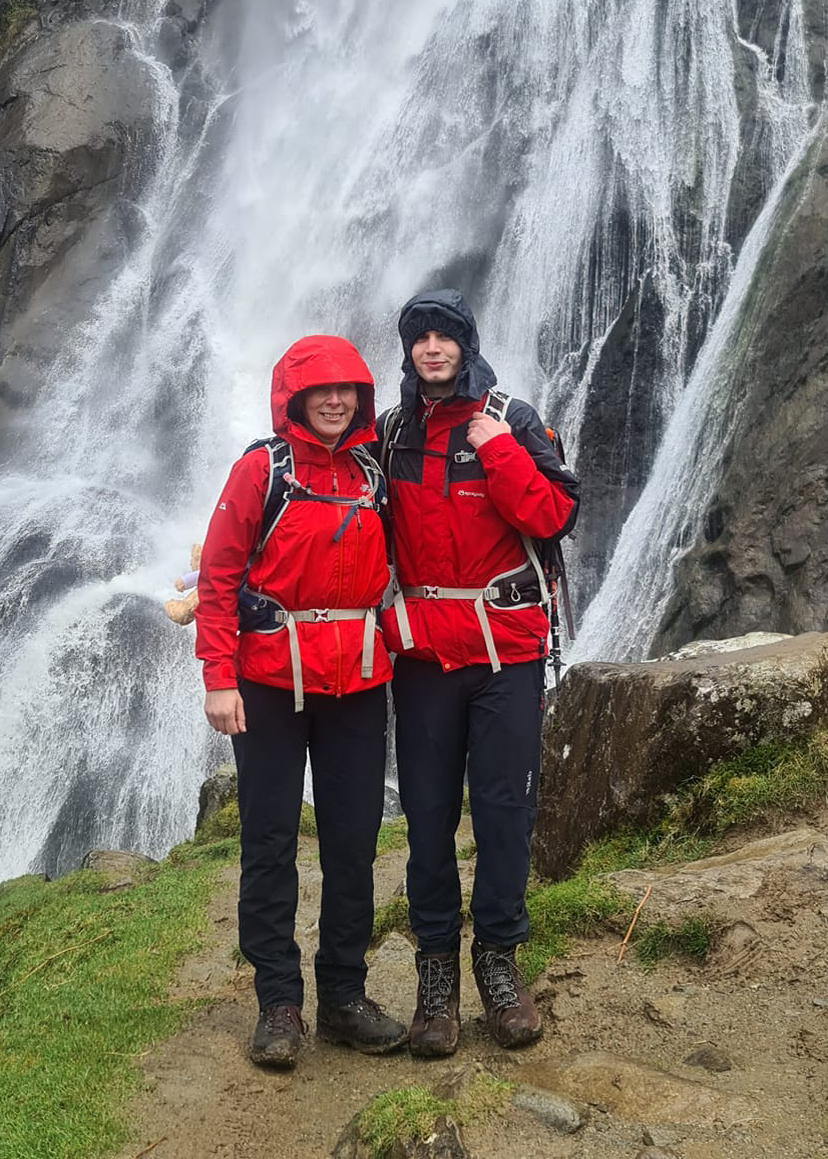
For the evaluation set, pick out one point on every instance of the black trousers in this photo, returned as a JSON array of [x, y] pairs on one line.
[[346, 741], [488, 724]]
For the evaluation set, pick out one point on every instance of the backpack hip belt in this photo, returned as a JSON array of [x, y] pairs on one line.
[[261, 610], [510, 587]]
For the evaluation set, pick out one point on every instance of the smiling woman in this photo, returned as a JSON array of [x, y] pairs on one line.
[[329, 410], [303, 671]]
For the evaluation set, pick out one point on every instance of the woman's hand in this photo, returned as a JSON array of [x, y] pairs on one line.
[[484, 427], [225, 711]]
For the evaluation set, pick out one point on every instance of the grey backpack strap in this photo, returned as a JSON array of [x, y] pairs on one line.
[[496, 404], [393, 422]]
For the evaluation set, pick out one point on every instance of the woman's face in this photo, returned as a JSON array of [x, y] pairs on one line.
[[328, 410]]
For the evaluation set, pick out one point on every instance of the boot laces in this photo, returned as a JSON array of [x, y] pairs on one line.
[[501, 978], [436, 981], [367, 1006], [284, 1019]]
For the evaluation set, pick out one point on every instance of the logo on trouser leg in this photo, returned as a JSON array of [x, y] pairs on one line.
[[528, 782]]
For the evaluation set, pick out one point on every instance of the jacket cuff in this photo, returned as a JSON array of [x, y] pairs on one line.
[[219, 674], [494, 448]]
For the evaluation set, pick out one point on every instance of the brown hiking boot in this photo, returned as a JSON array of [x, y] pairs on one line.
[[435, 1029], [361, 1024], [511, 1014], [277, 1037]]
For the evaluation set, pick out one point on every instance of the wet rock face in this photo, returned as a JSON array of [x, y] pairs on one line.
[[761, 562], [66, 139], [78, 143], [622, 735]]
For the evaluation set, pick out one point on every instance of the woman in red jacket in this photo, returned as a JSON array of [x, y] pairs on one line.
[[292, 570]]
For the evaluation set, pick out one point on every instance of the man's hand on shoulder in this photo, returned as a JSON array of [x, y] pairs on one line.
[[482, 428]]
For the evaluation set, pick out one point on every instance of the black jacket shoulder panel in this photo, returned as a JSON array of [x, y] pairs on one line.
[[530, 433]]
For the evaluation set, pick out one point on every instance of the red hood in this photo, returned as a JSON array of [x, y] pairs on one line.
[[319, 360]]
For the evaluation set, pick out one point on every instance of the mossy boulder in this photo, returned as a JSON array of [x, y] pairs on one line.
[[624, 736]]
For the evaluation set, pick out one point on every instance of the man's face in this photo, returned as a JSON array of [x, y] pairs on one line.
[[436, 357], [328, 410]]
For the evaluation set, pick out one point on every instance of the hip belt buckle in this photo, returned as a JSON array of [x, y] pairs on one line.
[[320, 616], [430, 591]]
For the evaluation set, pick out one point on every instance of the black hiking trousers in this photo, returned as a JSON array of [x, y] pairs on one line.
[[489, 725], [345, 737]]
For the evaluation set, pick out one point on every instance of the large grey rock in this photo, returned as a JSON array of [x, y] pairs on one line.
[[722, 884], [622, 735], [638, 1092], [79, 104]]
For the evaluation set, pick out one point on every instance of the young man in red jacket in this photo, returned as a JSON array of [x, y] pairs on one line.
[[472, 480]]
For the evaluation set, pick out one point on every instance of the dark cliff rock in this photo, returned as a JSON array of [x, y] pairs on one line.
[[622, 420], [79, 140], [761, 562], [624, 735]]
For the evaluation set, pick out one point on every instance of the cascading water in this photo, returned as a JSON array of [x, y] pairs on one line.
[[552, 158]]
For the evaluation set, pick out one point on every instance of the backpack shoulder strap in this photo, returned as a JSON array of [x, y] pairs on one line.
[[393, 422], [371, 470], [496, 404], [280, 463]]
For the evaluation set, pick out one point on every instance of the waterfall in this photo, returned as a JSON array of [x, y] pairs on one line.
[[552, 158]]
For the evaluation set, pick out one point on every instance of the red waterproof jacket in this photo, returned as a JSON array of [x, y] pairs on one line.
[[457, 519], [300, 566]]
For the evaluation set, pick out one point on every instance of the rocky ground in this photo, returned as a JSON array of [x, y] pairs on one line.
[[725, 1060]]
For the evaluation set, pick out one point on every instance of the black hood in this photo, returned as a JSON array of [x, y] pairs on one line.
[[443, 310]]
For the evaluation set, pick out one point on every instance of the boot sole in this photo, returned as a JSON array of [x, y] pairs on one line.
[[327, 1034], [261, 1058], [429, 1051], [523, 1038]]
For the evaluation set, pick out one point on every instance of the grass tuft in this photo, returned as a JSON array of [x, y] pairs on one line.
[[763, 784], [396, 1115], [691, 938], [391, 916], [580, 905], [392, 835], [222, 824], [403, 1116]]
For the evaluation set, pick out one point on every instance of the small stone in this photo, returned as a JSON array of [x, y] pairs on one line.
[[711, 1058], [554, 1111], [656, 1153], [820, 1002]]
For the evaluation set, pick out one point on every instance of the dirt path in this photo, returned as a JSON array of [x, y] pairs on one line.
[[617, 1039]]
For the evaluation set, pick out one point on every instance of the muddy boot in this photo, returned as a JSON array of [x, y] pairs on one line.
[[277, 1037], [435, 1029], [511, 1014], [362, 1024]]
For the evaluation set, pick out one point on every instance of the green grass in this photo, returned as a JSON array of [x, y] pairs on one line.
[[392, 835], [762, 785], [225, 823], [391, 916], [408, 1115], [467, 852], [691, 938], [84, 976]]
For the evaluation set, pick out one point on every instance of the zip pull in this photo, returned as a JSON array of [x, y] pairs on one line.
[[335, 484], [514, 594]]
